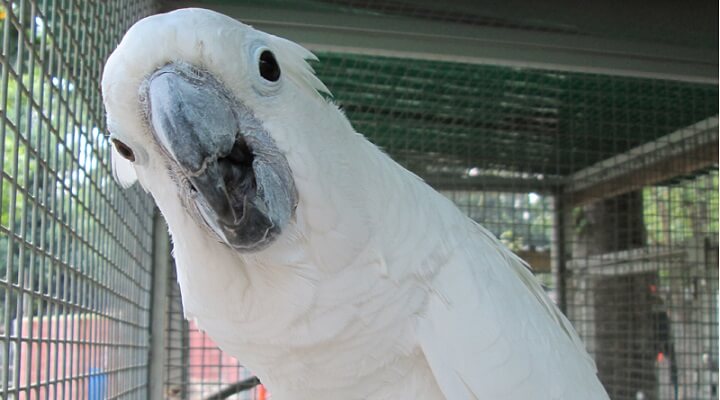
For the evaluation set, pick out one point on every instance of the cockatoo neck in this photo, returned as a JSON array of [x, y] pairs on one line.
[[341, 207]]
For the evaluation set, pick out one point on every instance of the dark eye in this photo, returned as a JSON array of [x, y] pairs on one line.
[[124, 150], [269, 68]]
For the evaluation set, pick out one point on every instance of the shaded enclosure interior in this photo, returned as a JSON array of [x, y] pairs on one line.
[[606, 183]]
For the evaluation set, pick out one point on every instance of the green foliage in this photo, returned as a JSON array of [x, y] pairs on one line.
[[673, 213], [47, 162], [682, 210], [521, 220], [31, 34]]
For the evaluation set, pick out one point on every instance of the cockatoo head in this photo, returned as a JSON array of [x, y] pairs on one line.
[[201, 110]]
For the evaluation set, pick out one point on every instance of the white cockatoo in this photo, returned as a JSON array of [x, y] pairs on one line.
[[306, 252]]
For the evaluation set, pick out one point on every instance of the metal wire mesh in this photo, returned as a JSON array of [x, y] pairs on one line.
[[643, 286], [444, 120], [194, 367], [76, 250]]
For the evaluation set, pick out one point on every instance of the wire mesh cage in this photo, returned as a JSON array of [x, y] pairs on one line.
[[606, 184], [195, 368], [75, 249]]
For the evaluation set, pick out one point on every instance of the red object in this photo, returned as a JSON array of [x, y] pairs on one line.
[[56, 349], [660, 357], [209, 364], [260, 393]]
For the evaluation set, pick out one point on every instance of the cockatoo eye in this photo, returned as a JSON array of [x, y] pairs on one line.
[[269, 68], [124, 150]]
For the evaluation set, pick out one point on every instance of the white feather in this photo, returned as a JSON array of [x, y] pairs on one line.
[[379, 288]]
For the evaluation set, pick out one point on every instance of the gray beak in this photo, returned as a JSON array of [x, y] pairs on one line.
[[200, 127]]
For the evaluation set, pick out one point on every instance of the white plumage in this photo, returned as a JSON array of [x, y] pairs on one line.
[[379, 287]]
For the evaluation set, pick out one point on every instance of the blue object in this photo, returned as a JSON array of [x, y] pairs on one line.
[[97, 385]]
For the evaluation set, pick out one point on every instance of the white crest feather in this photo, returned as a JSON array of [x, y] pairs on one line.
[[293, 60]]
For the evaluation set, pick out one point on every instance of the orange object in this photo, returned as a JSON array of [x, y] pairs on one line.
[[260, 392]]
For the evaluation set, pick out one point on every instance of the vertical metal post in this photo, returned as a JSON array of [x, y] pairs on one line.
[[158, 309], [560, 240], [185, 358]]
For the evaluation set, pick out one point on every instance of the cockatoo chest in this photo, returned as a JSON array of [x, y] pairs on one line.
[[307, 332]]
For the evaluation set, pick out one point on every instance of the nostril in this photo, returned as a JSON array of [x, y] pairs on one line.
[[191, 187]]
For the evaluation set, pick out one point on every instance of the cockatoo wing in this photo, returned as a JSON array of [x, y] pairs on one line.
[[491, 333]]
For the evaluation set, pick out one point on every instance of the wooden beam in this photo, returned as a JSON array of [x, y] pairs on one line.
[[538, 260], [685, 163], [488, 183], [681, 153], [627, 262]]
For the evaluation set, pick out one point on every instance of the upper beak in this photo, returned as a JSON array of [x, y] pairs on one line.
[[192, 122], [196, 127]]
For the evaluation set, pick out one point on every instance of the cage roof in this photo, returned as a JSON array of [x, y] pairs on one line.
[[441, 117], [666, 22]]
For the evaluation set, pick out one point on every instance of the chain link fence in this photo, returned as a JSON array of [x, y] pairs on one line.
[[76, 250]]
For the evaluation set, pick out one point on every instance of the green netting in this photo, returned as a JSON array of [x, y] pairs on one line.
[[452, 117]]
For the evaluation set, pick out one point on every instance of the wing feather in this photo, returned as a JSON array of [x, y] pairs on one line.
[[492, 333]]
